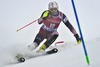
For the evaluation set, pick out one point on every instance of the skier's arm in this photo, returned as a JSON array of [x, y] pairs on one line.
[[69, 25], [44, 15], [71, 28]]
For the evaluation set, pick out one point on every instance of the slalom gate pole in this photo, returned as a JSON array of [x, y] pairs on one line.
[[26, 25], [59, 42], [83, 43]]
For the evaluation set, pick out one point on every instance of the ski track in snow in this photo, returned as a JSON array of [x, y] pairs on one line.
[[69, 55]]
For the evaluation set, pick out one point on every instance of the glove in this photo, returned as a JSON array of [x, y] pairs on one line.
[[78, 38], [45, 14]]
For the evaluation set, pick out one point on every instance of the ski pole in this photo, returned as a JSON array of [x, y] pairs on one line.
[[83, 43], [26, 25]]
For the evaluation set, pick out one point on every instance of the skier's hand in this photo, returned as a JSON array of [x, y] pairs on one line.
[[78, 38], [40, 20], [45, 15]]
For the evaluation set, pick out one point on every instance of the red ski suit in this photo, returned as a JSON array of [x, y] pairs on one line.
[[49, 28]]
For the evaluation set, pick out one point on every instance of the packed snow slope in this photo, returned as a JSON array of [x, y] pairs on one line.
[[17, 13], [69, 55]]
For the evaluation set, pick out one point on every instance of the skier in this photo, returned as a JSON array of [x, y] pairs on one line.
[[51, 20]]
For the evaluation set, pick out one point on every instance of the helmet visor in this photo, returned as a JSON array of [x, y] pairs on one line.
[[53, 11]]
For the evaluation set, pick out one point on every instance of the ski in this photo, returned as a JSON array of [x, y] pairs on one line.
[[20, 57], [54, 50]]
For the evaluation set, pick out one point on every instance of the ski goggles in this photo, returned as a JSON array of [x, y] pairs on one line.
[[53, 9]]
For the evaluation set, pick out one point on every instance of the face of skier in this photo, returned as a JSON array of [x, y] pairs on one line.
[[54, 11]]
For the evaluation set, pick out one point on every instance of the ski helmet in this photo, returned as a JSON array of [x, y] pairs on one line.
[[52, 4]]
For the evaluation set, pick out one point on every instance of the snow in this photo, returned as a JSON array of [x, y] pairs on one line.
[[16, 13], [69, 56]]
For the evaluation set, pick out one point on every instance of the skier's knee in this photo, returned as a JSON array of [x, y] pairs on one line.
[[50, 40], [38, 39]]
